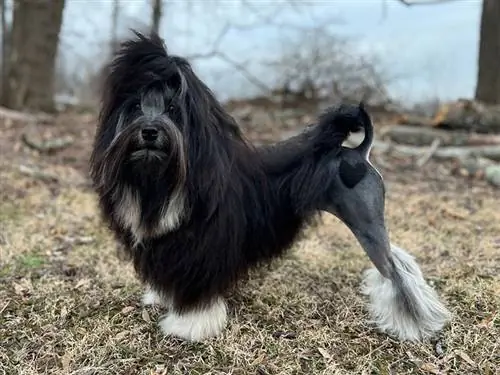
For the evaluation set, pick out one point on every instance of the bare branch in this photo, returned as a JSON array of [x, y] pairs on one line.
[[216, 53], [428, 155], [424, 2], [241, 68]]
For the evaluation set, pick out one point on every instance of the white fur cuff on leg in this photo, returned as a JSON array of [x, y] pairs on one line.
[[198, 324], [410, 310]]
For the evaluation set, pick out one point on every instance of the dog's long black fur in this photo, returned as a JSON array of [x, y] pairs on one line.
[[243, 205]]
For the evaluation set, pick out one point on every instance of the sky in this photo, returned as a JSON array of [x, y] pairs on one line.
[[430, 50]]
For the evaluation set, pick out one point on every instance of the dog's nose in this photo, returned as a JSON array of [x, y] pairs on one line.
[[149, 134]]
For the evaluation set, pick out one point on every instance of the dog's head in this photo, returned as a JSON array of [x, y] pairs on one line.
[[157, 116]]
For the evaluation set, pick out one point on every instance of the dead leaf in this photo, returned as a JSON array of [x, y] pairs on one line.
[[487, 322], [127, 309], [324, 353], [23, 287], [84, 240], [257, 361], [466, 358], [65, 361], [145, 316], [455, 213], [121, 335], [431, 368], [81, 283], [64, 312]]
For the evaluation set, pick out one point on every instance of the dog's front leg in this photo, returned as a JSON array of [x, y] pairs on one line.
[[196, 323]]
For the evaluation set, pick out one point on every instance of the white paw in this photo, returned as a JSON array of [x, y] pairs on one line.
[[198, 324]]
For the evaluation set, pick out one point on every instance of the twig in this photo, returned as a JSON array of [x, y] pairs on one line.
[[241, 68], [49, 146], [424, 2], [38, 174], [426, 157], [215, 53]]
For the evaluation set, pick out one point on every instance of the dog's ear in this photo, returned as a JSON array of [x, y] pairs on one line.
[[351, 174]]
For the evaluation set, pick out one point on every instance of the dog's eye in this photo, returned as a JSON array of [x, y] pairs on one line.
[[137, 106], [170, 108]]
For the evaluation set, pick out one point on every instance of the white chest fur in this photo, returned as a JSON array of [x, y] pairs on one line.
[[128, 213]]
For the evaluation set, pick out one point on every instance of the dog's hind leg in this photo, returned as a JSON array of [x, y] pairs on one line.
[[402, 304], [196, 324]]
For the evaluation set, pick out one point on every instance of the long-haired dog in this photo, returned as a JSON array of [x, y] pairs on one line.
[[197, 206]]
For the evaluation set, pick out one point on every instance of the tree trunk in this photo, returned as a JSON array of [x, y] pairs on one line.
[[114, 26], [35, 40], [157, 13], [5, 45], [488, 78]]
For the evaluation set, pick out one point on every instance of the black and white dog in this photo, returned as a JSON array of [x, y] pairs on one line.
[[196, 206]]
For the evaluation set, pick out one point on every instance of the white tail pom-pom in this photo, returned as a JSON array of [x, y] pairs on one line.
[[406, 306]]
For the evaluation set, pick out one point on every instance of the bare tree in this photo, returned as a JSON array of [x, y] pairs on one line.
[[5, 44], [488, 75], [320, 66], [35, 39], [114, 25], [156, 16]]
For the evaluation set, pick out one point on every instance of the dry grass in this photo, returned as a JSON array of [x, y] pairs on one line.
[[69, 306]]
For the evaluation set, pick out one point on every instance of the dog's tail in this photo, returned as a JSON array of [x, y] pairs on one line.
[[336, 124], [402, 304]]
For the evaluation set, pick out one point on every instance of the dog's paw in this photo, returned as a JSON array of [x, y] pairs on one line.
[[196, 325]]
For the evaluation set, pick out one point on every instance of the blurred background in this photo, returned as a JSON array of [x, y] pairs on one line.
[[408, 52], [428, 66]]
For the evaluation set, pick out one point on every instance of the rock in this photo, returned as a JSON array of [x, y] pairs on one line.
[[492, 174]]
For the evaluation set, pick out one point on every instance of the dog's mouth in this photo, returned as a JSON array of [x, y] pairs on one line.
[[148, 153], [147, 147]]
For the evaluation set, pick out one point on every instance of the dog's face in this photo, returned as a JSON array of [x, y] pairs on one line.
[[143, 126], [162, 134], [149, 128]]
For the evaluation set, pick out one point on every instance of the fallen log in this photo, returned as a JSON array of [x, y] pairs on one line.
[[476, 161], [463, 114], [468, 115], [13, 115], [452, 152], [412, 120], [425, 136]]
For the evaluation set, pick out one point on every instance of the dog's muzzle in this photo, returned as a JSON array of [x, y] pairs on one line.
[[151, 136]]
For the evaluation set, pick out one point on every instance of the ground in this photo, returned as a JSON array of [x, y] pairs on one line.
[[69, 305]]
